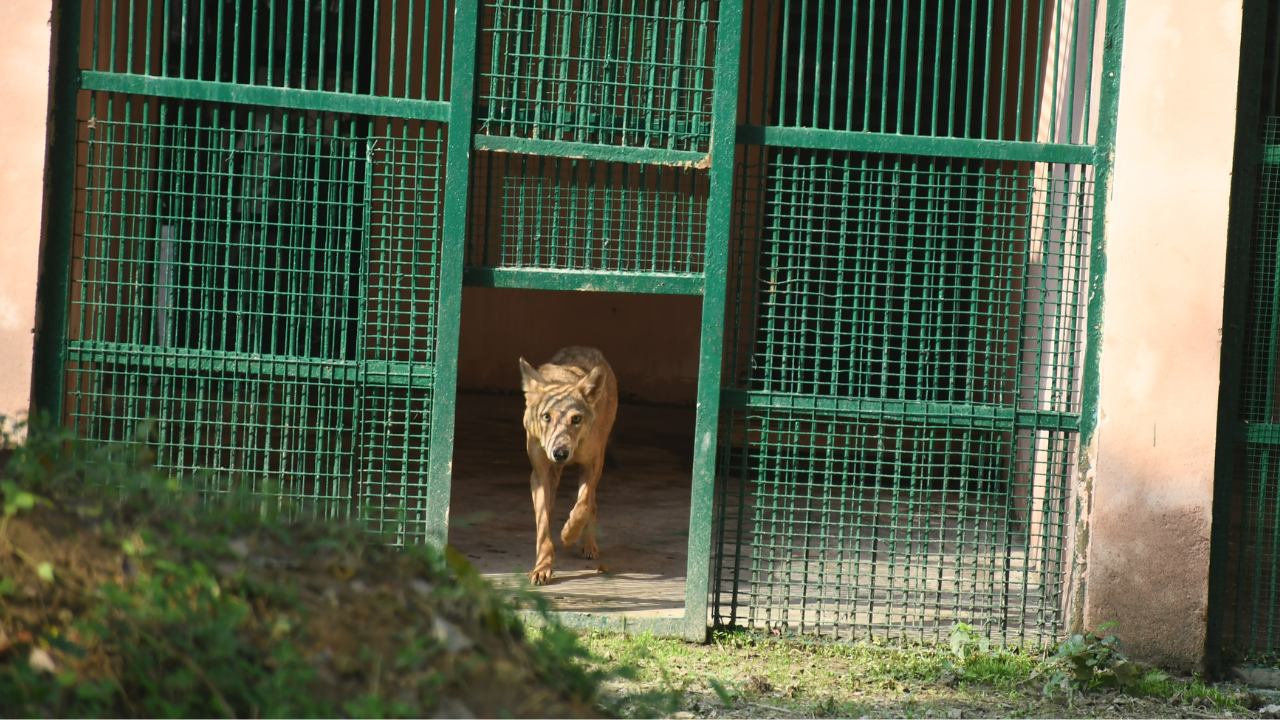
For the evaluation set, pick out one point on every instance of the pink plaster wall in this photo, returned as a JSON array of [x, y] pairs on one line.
[[1166, 253], [24, 88]]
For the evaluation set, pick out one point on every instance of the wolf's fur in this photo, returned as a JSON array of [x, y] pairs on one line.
[[576, 383]]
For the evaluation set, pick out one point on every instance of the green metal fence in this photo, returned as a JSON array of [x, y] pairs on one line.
[[252, 211], [915, 232], [890, 210], [1244, 564], [1253, 561]]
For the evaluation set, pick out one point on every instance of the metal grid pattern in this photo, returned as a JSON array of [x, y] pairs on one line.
[[396, 400], [609, 72], [552, 213], [847, 527], [1004, 70], [911, 279], [1255, 523], [1258, 401], [904, 344], [261, 289], [381, 48]]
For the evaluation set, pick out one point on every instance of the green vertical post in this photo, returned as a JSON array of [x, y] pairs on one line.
[[1104, 161], [453, 247], [724, 118], [50, 362]]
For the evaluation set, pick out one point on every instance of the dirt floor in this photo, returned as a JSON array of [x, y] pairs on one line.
[[643, 508]]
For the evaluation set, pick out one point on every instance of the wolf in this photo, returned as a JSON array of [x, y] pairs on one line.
[[570, 406]]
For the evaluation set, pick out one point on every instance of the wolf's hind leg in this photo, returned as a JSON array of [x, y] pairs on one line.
[[590, 550], [584, 512]]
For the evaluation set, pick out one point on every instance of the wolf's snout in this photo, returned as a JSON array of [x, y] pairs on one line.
[[560, 454]]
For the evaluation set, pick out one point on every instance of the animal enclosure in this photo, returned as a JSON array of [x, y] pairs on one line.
[[888, 212]]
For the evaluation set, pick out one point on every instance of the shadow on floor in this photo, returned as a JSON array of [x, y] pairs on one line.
[[643, 508]]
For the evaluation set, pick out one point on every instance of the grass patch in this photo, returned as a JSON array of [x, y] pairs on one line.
[[745, 674]]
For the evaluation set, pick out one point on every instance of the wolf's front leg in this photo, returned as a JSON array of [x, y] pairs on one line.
[[583, 516], [544, 481]]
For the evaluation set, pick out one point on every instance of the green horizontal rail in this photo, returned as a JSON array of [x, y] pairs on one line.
[[291, 98], [969, 415], [893, 144], [1261, 433], [584, 280], [590, 151], [141, 358]]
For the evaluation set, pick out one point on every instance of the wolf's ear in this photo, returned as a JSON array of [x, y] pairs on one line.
[[591, 385], [530, 379]]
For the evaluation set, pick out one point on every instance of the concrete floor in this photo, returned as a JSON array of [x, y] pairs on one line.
[[643, 508]]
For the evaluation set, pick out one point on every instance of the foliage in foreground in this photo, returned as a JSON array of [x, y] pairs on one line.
[[126, 593]]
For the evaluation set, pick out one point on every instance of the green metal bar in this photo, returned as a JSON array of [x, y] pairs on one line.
[[890, 143], [585, 280], [936, 413], [589, 151], [151, 357], [1109, 103], [452, 255], [266, 96], [724, 111], [1259, 433], [53, 282]]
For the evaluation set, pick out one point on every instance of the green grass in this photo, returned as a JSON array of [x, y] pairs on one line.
[[744, 674]]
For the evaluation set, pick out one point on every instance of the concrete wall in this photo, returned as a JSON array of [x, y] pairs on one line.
[[1166, 253], [24, 90], [651, 341]]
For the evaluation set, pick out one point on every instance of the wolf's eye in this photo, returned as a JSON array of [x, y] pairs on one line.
[[546, 417], [576, 419]]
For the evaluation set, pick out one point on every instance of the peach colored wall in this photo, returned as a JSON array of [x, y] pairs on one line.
[[1166, 252], [24, 89], [651, 341]]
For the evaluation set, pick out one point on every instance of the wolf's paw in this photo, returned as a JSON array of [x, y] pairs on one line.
[[571, 532], [590, 551], [540, 575]]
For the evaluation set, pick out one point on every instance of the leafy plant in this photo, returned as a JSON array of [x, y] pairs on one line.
[[966, 641], [1090, 661]]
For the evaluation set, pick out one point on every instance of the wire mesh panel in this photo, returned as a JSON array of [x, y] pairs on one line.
[[855, 525], [1254, 554], [255, 275], [401, 321], [905, 338], [904, 343], [261, 285], [914, 279], [609, 72], [380, 48], [1008, 70], [533, 211], [216, 291]]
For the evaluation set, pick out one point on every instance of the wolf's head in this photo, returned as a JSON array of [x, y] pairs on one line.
[[559, 407]]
